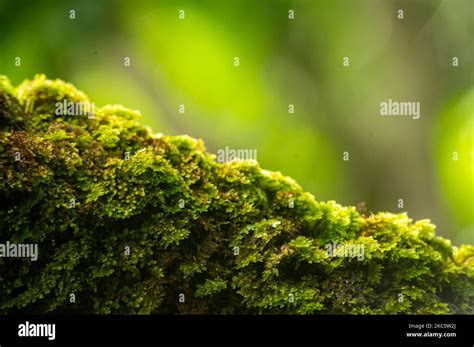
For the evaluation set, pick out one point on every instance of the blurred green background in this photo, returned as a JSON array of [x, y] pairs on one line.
[[283, 61]]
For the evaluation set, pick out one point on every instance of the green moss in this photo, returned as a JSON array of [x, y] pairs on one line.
[[127, 221]]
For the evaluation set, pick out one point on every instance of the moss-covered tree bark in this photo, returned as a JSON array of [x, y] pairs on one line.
[[133, 222]]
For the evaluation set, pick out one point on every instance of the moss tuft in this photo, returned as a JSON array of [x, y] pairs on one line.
[[127, 221]]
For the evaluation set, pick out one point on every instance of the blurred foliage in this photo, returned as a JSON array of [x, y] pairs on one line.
[[282, 62], [455, 157]]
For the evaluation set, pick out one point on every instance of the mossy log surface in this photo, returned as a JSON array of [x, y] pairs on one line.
[[128, 221]]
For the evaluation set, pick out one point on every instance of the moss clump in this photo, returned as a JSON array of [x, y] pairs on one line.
[[132, 222]]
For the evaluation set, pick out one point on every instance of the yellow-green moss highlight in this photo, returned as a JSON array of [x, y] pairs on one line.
[[236, 246]]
